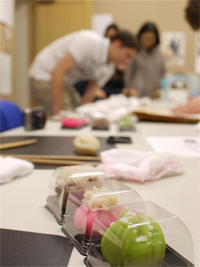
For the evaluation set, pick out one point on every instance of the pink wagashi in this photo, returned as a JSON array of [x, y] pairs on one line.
[[84, 219], [74, 122], [71, 122]]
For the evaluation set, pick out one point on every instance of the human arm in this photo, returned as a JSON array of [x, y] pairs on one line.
[[192, 107], [129, 76], [90, 92], [57, 82], [156, 93]]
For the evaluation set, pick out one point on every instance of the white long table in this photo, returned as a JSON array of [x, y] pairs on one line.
[[23, 200]]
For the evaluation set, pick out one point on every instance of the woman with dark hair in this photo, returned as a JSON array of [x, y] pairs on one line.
[[144, 74], [111, 30], [153, 39]]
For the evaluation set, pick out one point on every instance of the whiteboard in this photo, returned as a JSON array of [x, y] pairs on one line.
[[5, 74], [7, 12], [100, 22]]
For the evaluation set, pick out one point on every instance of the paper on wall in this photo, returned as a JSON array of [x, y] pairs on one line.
[[197, 53], [186, 146], [7, 12], [173, 47], [5, 74], [100, 22]]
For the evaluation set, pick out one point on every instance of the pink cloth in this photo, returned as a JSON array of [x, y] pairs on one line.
[[137, 165]]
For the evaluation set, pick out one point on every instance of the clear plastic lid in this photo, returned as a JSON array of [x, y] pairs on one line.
[[127, 123], [99, 121], [73, 120], [61, 182], [144, 235], [86, 201]]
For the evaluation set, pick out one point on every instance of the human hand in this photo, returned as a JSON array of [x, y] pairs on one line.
[[129, 92], [156, 94], [120, 67], [100, 93], [192, 107]]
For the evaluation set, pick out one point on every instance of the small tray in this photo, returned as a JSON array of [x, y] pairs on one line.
[[104, 199], [178, 250], [144, 115], [78, 241], [172, 258], [20, 248], [62, 181]]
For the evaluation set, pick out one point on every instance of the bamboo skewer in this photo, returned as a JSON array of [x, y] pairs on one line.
[[53, 161], [17, 144], [57, 157]]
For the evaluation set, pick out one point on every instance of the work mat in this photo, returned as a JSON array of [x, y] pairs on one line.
[[32, 249], [48, 145]]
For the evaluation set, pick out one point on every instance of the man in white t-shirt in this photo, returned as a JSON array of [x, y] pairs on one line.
[[82, 55]]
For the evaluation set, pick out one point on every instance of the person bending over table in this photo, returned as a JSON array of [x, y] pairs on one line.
[[115, 84], [143, 76], [82, 55], [192, 15]]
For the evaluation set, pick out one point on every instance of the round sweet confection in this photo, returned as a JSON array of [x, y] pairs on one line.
[[66, 179], [96, 202], [86, 144], [134, 240]]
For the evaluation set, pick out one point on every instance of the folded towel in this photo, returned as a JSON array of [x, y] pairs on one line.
[[13, 167], [137, 165]]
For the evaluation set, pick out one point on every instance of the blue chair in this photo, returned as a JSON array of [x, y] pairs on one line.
[[11, 116]]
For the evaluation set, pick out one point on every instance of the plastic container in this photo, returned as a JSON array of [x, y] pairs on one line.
[[164, 91], [87, 201], [74, 122], [99, 121], [145, 235], [127, 123], [62, 180]]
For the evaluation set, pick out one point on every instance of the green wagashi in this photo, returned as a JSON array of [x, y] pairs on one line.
[[134, 240]]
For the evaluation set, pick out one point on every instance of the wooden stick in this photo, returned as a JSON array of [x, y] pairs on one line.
[[55, 162], [18, 143], [57, 157]]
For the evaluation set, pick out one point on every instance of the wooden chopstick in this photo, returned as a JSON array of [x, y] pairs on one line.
[[54, 162], [17, 144], [57, 157]]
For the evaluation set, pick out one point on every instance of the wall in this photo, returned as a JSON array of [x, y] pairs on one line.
[[22, 54], [57, 18], [168, 15], [6, 50]]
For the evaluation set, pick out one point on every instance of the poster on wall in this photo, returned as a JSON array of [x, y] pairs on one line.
[[101, 21], [173, 48], [197, 53]]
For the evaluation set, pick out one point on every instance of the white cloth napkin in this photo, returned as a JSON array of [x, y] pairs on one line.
[[12, 167], [119, 104], [137, 165], [197, 126]]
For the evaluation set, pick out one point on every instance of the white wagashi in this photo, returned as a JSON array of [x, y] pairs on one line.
[[86, 144]]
